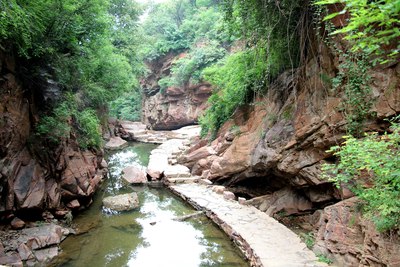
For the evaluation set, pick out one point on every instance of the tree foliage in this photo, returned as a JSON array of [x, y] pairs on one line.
[[236, 80], [271, 33], [86, 46], [373, 26], [371, 166]]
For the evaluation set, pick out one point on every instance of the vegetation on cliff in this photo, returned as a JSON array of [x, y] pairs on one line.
[[86, 47], [371, 166], [271, 33], [372, 27]]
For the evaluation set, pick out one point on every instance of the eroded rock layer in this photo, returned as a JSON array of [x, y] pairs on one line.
[[272, 152], [35, 176], [175, 106]]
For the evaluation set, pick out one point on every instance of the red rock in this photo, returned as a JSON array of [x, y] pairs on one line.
[[200, 154], [116, 143], [134, 175], [352, 239], [11, 260], [17, 223], [74, 204], [229, 195], [242, 200], [24, 252], [219, 189], [29, 186]]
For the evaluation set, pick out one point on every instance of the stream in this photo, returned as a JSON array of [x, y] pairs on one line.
[[146, 237]]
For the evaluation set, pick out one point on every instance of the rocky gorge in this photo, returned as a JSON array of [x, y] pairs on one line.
[[272, 152], [175, 106], [269, 155], [38, 182]]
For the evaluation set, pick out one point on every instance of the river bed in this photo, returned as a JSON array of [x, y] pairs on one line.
[[148, 236]]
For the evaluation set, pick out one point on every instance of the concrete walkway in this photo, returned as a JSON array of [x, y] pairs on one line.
[[264, 241]]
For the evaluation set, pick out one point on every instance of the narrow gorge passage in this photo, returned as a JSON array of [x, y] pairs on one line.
[[147, 236], [294, 107]]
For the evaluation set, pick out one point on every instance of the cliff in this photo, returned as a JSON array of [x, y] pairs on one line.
[[176, 106], [35, 177], [271, 152]]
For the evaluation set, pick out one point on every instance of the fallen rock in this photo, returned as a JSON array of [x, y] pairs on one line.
[[17, 223], [11, 260], [25, 253], [116, 143], [123, 202], [134, 175], [74, 204], [46, 254], [219, 189], [242, 200], [229, 195], [205, 182], [285, 200]]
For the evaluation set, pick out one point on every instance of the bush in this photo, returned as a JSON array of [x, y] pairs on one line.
[[372, 167], [56, 127], [88, 125], [236, 81], [372, 26], [127, 107]]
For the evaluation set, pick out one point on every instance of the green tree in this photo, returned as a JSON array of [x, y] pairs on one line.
[[373, 26], [86, 46]]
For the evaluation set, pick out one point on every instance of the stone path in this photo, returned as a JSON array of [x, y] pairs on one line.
[[264, 241], [138, 132]]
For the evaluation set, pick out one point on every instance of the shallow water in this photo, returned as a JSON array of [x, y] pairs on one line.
[[128, 238]]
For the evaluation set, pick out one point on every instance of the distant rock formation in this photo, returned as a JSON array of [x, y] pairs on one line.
[[173, 107]]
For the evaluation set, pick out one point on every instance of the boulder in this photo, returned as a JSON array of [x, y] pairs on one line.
[[134, 175], [284, 200], [116, 143], [200, 154], [123, 202], [229, 195], [74, 204], [17, 223], [219, 189]]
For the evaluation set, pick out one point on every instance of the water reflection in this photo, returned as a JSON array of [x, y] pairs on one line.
[[148, 236]]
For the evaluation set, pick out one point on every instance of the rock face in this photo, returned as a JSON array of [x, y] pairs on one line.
[[34, 246], [275, 149], [354, 241], [36, 176], [123, 202], [174, 107]]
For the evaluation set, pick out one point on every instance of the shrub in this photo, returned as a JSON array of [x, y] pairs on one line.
[[127, 107], [88, 125], [236, 80], [56, 127], [372, 167], [372, 26]]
